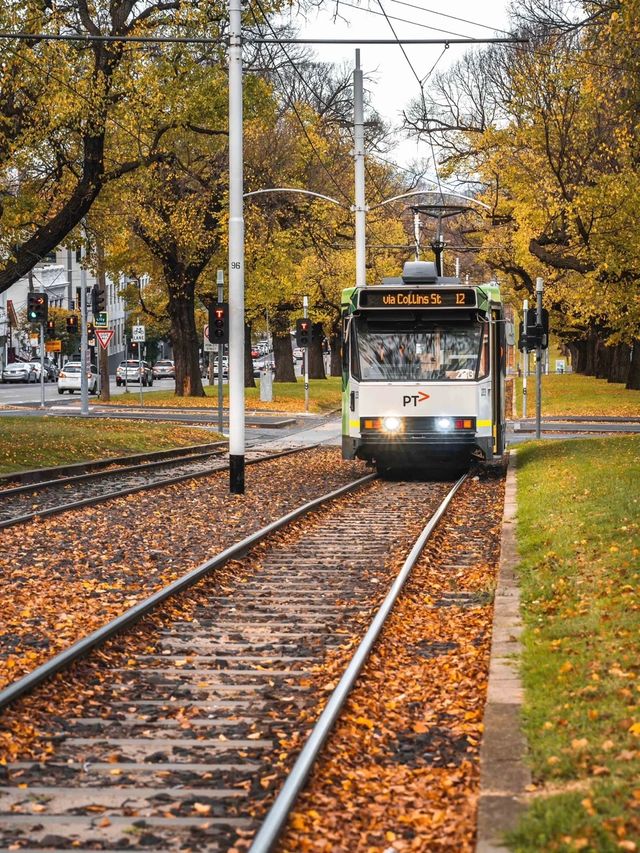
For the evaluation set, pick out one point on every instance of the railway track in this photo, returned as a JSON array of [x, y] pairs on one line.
[[19, 504], [176, 735]]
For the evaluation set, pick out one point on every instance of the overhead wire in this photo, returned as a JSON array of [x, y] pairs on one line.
[[405, 21], [293, 106], [451, 17]]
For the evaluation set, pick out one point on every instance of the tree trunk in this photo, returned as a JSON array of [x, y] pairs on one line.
[[184, 338], [633, 379], [335, 342], [591, 346], [282, 349], [602, 359], [249, 381], [316, 358], [619, 368], [580, 358]]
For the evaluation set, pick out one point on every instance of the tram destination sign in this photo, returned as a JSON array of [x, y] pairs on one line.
[[409, 297]]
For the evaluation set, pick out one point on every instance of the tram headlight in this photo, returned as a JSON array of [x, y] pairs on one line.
[[444, 424], [391, 424]]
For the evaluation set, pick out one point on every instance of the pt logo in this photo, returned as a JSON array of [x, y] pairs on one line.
[[414, 399]]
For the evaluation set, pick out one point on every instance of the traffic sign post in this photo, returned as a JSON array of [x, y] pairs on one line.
[[104, 337], [138, 334]]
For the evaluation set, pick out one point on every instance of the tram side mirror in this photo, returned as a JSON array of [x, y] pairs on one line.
[[510, 333]]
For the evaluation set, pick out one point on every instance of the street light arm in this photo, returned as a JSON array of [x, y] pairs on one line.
[[424, 192], [295, 190]]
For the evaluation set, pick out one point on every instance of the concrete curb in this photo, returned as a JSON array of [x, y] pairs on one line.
[[503, 772]]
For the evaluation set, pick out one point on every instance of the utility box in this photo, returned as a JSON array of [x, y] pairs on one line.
[[266, 385]]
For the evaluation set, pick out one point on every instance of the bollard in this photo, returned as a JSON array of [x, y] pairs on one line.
[[266, 385]]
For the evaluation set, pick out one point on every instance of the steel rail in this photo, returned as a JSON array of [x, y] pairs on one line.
[[37, 475], [79, 649], [277, 816], [94, 475], [121, 493]]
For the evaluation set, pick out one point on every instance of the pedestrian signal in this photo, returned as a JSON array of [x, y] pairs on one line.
[[303, 332], [72, 324], [219, 323]]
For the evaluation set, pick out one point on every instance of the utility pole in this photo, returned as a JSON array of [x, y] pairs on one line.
[[525, 359], [539, 289], [84, 385], [42, 360], [220, 283], [236, 256], [358, 154], [305, 351]]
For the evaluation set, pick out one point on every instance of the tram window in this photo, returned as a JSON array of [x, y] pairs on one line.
[[436, 354]]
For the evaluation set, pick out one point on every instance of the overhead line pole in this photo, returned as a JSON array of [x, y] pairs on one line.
[[358, 156], [236, 256]]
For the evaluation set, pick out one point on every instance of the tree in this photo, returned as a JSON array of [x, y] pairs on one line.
[[60, 103]]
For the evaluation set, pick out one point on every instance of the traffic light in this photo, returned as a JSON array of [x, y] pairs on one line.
[[91, 330], [37, 307], [72, 324], [97, 300], [134, 347], [219, 323], [535, 335], [51, 328], [303, 332]]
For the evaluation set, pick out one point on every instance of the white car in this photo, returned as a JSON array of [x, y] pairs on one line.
[[298, 353], [70, 376]]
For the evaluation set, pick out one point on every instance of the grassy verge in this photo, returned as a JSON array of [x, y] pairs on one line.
[[324, 396], [40, 442], [571, 394], [579, 540]]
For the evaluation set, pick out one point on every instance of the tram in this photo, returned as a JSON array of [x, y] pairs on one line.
[[423, 372]]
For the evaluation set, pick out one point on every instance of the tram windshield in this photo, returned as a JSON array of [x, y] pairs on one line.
[[447, 353]]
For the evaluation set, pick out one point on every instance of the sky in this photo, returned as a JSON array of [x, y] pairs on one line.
[[389, 77]]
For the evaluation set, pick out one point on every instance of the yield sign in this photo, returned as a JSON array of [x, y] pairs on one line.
[[104, 336]]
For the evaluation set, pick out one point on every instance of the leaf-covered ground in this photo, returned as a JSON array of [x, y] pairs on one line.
[[579, 539], [65, 576], [400, 771], [36, 442], [324, 396]]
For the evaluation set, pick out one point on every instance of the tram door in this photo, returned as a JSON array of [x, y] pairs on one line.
[[497, 380]]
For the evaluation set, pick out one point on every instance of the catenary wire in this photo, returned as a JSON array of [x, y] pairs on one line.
[[451, 17], [297, 114], [405, 21]]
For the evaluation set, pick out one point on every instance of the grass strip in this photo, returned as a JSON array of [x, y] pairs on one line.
[[579, 541], [573, 394], [324, 396], [36, 442]]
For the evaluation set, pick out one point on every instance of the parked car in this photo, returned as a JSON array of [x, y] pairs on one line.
[[38, 370], [52, 369], [134, 371], [69, 378], [298, 353], [225, 366], [164, 369], [19, 371]]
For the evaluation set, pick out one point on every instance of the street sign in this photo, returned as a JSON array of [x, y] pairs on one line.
[[104, 337], [138, 334], [53, 346], [101, 320], [207, 345]]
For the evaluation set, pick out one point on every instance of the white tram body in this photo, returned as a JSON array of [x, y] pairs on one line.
[[423, 371]]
